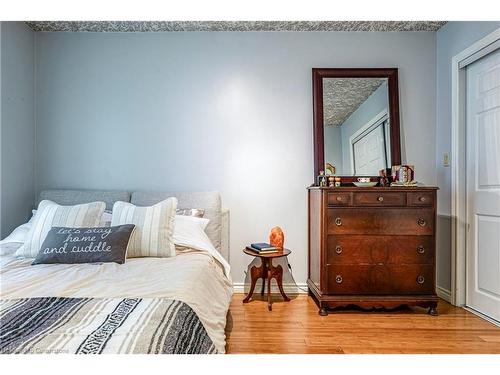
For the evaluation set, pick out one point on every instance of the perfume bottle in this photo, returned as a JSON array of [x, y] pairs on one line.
[[322, 179]]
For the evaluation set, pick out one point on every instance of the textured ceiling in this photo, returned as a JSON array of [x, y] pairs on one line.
[[148, 26], [342, 96]]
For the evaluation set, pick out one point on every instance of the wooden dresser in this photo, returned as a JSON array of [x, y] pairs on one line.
[[372, 247]]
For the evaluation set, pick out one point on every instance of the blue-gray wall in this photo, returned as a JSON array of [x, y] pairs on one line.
[[17, 186], [217, 111], [452, 39], [373, 105]]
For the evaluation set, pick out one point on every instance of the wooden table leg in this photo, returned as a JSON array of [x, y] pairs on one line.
[[279, 280], [269, 276], [264, 276], [255, 274], [266, 272]]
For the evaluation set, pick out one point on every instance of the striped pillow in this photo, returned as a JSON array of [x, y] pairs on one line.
[[154, 227], [50, 214]]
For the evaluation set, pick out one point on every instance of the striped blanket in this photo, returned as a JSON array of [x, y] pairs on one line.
[[108, 325]]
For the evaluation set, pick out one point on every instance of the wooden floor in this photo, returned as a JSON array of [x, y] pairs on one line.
[[296, 327]]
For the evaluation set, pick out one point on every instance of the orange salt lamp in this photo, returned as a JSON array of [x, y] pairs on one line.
[[277, 238]]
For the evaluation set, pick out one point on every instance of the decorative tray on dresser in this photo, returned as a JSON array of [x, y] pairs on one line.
[[372, 247]]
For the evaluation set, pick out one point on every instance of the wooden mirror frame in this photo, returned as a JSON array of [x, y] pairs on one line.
[[318, 127]]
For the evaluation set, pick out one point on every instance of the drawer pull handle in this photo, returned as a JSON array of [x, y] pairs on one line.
[[420, 249], [339, 199], [338, 221], [422, 199], [338, 279], [420, 279], [338, 249], [421, 222], [380, 199]]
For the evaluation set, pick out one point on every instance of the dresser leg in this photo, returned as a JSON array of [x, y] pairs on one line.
[[433, 311], [323, 311]]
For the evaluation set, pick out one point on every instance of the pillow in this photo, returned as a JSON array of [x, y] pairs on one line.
[[85, 245], [50, 214], [196, 212], [106, 219], [190, 233], [19, 234], [33, 213], [154, 227]]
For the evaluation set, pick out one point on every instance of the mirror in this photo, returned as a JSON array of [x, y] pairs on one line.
[[356, 121]]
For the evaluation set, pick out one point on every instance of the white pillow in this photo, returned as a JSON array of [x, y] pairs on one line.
[[190, 232], [154, 230], [33, 213], [20, 234], [50, 214]]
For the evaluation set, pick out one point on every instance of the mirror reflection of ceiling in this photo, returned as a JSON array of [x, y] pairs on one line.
[[342, 96]]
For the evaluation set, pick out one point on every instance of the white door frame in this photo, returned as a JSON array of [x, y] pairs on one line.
[[382, 116], [458, 172]]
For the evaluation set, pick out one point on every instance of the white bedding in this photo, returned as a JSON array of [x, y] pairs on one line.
[[193, 277]]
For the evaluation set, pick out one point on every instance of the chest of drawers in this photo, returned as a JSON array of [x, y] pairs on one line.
[[372, 247]]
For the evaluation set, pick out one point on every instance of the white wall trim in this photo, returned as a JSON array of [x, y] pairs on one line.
[[289, 288], [458, 191], [443, 293]]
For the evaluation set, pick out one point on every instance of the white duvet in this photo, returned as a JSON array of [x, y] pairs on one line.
[[194, 277]]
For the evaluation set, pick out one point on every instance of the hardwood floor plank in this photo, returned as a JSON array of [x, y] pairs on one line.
[[296, 327]]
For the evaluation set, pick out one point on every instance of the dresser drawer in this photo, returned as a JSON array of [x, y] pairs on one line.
[[380, 279], [369, 221], [360, 249], [421, 199], [339, 199], [383, 199]]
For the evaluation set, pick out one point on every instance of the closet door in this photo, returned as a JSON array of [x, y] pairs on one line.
[[483, 185]]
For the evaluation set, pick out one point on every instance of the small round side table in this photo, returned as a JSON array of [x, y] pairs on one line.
[[267, 271]]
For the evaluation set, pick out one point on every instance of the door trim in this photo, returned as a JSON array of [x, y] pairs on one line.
[[373, 122], [458, 172]]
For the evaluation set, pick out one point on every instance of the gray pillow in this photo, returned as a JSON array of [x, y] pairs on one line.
[[196, 212], [85, 245]]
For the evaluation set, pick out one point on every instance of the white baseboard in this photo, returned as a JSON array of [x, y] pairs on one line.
[[302, 289], [443, 293], [288, 288]]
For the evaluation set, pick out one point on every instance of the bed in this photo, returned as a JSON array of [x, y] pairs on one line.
[[146, 305]]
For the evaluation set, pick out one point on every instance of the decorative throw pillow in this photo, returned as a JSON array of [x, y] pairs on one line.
[[85, 245], [106, 219], [154, 227], [50, 214], [196, 212]]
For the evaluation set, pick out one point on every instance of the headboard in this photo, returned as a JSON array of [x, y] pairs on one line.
[[217, 229], [70, 197]]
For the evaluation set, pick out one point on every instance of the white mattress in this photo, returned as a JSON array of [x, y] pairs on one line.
[[193, 277]]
